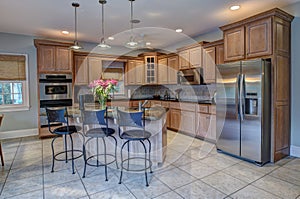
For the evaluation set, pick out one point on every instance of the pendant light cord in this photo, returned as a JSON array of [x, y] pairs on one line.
[[131, 15], [75, 23], [102, 20]]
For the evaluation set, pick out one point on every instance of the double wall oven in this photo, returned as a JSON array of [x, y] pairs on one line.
[[55, 91]]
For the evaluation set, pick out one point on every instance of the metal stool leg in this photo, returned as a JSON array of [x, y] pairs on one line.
[[84, 159], [53, 155], [72, 152], [116, 144], [105, 160], [1, 154], [149, 155], [120, 181], [145, 163]]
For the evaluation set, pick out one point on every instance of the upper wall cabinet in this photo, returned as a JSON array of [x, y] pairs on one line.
[[248, 40], [213, 54], [190, 56], [168, 68], [135, 72], [53, 57], [87, 69]]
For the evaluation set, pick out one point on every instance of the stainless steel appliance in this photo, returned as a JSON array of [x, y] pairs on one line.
[[244, 109], [190, 76], [55, 91], [55, 86]]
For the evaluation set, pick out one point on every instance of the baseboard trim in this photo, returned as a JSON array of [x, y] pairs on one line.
[[18, 133], [295, 151]]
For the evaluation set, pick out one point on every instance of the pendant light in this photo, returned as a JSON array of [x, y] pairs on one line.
[[76, 45], [132, 43], [102, 44]]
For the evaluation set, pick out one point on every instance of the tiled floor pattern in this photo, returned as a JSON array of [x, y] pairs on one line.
[[192, 169]]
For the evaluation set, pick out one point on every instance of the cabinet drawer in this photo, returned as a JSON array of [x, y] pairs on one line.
[[187, 106], [212, 109], [202, 108], [175, 105], [165, 104]]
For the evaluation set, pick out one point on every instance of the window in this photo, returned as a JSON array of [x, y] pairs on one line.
[[13, 82]]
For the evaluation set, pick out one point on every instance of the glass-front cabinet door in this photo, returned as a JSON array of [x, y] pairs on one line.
[[151, 69]]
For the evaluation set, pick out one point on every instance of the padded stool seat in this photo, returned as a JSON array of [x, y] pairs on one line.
[[135, 134], [99, 132], [64, 130]]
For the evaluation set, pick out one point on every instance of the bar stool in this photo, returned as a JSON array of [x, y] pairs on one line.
[[56, 116], [135, 123], [92, 118]]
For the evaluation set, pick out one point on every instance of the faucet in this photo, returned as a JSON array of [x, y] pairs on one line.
[[177, 91], [141, 105]]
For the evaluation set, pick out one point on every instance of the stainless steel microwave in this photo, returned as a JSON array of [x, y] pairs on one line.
[[190, 76]]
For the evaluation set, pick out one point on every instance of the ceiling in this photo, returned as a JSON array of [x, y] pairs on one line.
[[159, 18]]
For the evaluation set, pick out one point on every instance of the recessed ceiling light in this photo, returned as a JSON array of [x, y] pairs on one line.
[[148, 43], [179, 30], [65, 32], [111, 38], [235, 7]]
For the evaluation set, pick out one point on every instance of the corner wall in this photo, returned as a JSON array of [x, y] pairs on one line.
[[21, 123]]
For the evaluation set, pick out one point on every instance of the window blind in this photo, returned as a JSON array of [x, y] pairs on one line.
[[12, 67]]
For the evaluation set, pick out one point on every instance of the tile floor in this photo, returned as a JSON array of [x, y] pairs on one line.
[[192, 169]]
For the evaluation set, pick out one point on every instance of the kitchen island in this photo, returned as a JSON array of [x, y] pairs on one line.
[[155, 123]]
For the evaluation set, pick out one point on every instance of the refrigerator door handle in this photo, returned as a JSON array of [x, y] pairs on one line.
[[237, 95], [241, 96]]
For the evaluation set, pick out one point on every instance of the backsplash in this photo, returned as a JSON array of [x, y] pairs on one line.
[[188, 92]]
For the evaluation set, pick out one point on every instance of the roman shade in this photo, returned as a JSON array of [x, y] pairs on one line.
[[12, 67]]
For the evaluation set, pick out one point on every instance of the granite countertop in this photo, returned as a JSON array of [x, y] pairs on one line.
[[153, 113], [199, 101]]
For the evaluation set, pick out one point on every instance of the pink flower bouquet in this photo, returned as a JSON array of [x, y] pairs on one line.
[[102, 88]]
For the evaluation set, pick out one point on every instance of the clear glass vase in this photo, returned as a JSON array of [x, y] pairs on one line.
[[102, 101]]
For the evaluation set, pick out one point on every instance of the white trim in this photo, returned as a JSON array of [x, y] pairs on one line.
[[295, 151], [18, 133]]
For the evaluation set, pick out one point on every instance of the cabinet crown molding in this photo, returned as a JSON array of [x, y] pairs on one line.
[[38, 42], [273, 12]]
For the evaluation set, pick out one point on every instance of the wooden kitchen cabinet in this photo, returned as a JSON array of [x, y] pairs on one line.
[[162, 75], [209, 65], [130, 72], [213, 54], [81, 70], [190, 56], [249, 40], [234, 44], [220, 53], [206, 122], [172, 69], [151, 69], [184, 59], [195, 57], [135, 72], [87, 69], [53, 57], [175, 119]]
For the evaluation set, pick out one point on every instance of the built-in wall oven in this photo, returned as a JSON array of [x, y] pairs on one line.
[[55, 91]]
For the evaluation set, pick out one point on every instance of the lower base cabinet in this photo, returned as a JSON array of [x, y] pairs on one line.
[[175, 119]]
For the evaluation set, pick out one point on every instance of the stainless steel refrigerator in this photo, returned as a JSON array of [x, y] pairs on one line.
[[243, 102]]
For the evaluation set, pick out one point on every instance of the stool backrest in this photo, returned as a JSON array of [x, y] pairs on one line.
[[131, 119], [94, 117], [57, 115]]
